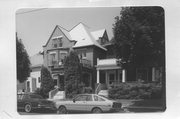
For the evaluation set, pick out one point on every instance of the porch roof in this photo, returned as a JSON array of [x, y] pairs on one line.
[[105, 64]]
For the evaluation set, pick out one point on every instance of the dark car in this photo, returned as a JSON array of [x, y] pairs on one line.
[[29, 102]]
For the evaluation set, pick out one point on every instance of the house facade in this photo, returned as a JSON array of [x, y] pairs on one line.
[[96, 54], [34, 80]]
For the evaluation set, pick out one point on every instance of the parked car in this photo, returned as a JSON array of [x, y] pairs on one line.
[[29, 102], [92, 103]]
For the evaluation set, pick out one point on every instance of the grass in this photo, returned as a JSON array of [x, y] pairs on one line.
[[149, 103]]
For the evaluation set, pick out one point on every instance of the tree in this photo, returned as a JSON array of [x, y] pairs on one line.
[[22, 60], [72, 75], [139, 35], [139, 38], [47, 83]]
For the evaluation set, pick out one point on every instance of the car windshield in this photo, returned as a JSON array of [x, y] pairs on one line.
[[35, 96]]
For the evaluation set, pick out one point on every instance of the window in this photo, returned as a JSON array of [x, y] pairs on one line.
[[111, 78], [35, 96], [60, 42], [89, 98], [39, 79], [28, 84], [142, 74], [96, 98], [55, 45], [81, 98], [84, 54], [62, 56]]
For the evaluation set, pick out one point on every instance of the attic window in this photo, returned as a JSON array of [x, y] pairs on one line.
[[60, 42]]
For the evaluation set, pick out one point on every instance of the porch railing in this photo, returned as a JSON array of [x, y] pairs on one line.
[[52, 93]]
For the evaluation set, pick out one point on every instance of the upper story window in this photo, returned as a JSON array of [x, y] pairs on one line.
[[82, 55], [60, 42], [39, 80], [57, 42]]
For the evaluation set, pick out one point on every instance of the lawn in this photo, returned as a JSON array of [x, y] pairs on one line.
[[151, 105]]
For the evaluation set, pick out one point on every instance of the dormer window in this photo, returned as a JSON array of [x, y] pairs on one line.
[[57, 41], [60, 42], [55, 45]]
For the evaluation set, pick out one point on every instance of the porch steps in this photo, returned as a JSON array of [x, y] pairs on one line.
[[59, 95]]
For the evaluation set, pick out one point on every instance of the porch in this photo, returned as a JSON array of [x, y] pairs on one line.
[[109, 72]]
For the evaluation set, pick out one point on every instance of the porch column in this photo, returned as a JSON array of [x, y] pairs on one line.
[[97, 75], [123, 75], [153, 74]]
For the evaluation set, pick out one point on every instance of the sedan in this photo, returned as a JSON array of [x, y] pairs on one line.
[[91, 103], [29, 102]]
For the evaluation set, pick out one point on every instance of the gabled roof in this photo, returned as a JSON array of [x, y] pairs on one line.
[[66, 32], [81, 34], [84, 37], [98, 33]]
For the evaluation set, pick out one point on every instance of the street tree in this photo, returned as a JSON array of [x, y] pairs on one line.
[[22, 60], [47, 83], [139, 38], [139, 35], [72, 75]]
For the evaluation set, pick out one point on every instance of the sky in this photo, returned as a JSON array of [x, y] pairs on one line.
[[34, 26]]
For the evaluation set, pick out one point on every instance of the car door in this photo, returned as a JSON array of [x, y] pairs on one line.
[[20, 102], [89, 103], [79, 104]]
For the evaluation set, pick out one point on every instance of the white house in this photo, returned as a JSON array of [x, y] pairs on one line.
[[34, 81]]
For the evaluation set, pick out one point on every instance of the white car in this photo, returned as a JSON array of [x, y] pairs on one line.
[[92, 103]]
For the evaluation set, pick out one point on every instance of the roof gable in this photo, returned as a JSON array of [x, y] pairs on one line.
[[56, 34], [98, 33], [84, 37], [79, 34]]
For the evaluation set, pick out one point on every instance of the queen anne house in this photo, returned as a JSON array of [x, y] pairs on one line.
[[96, 54]]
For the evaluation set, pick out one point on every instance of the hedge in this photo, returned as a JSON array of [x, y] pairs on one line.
[[136, 91]]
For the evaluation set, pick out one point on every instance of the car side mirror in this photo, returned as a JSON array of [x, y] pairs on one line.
[[74, 100]]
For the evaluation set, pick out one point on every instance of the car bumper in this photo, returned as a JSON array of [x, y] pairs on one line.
[[115, 110], [46, 107]]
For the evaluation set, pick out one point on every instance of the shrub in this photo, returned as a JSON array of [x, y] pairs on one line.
[[136, 91], [39, 92], [87, 90]]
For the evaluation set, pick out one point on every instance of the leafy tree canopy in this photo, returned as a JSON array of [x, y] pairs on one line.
[[139, 35], [22, 60]]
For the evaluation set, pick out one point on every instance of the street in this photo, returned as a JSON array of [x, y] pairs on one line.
[[128, 106]]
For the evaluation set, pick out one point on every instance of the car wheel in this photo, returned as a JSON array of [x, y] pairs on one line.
[[28, 108], [62, 110], [96, 110]]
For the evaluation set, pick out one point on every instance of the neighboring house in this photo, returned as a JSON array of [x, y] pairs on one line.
[[96, 54], [109, 72], [21, 87], [34, 81]]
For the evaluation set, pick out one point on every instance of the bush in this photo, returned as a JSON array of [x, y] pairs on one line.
[[87, 90], [40, 92], [136, 91]]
